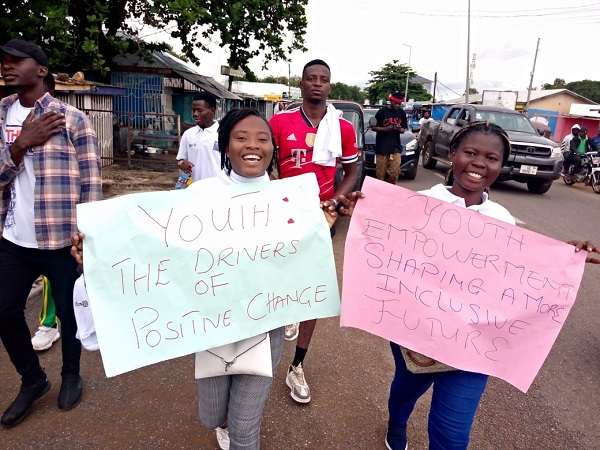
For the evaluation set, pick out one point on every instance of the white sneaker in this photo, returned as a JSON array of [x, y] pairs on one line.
[[44, 338], [291, 331], [295, 380], [223, 438]]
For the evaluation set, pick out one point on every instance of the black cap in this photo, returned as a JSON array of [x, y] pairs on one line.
[[24, 49]]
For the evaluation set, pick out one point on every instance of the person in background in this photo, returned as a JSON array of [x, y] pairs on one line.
[[391, 123], [198, 154], [566, 142], [426, 118], [279, 107], [311, 139], [578, 147], [49, 162]]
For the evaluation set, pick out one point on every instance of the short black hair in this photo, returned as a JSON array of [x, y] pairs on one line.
[[583, 129], [207, 97], [226, 125], [315, 62], [49, 83]]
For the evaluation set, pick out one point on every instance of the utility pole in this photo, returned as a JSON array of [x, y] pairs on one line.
[[531, 79], [468, 89], [434, 87], [289, 81], [407, 73]]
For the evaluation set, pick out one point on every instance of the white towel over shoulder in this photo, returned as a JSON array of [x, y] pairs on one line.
[[328, 142]]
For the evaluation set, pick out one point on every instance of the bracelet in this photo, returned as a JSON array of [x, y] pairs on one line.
[[335, 202]]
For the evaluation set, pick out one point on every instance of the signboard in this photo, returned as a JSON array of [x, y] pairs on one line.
[[456, 285], [238, 73], [272, 97], [175, 272], [502, 99]]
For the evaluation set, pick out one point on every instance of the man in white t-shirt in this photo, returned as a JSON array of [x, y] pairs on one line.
[[199, 153], [426, 118], [49, 163]]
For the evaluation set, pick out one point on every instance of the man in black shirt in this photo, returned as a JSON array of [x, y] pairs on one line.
[[391, 123]]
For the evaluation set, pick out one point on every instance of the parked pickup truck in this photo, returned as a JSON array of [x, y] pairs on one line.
[[534, 159]]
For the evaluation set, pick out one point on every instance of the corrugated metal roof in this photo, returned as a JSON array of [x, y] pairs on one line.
[[165, 61]]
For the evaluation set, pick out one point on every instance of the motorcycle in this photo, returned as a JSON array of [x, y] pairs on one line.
[[588, 173]]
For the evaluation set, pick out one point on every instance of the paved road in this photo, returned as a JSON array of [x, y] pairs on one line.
[[349, 373]]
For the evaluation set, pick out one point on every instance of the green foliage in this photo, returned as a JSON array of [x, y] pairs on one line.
[[586, 88], [559, 83], [295, 80], [473, 91], [391, 78], [82, 35], [342, 91]]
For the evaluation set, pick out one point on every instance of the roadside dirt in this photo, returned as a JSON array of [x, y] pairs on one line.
[[119, 180]]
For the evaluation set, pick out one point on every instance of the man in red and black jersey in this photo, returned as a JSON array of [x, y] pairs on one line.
[[295, 132]]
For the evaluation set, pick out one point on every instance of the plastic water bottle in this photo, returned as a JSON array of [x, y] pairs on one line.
[[183, 181]]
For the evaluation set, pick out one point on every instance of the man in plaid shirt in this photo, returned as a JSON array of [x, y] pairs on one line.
[[49, 162]]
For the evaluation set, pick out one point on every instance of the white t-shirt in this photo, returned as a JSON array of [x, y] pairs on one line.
[[487, 207], [19, 225], [86, 329], [422, 121], [201, 148]]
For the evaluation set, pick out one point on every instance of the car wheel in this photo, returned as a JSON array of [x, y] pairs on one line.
[[539, 186], [596, 182], [411, 173], [427, 158]]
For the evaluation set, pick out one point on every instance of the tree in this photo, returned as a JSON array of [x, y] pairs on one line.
[[390, 78], [559, 83], [342, 91], [86, 35], [282, 79], [587, 88]]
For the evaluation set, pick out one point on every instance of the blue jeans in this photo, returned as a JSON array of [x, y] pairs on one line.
[[456, 396]]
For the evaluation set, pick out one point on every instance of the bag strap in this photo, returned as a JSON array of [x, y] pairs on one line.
[[228, 364]]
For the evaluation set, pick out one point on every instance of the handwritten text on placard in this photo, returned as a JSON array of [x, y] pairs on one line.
[[172, 273], [456, 285]]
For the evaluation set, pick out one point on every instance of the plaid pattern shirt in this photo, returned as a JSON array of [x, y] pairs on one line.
[[67, 171]]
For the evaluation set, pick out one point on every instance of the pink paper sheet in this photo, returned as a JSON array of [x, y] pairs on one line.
[[466, 289]]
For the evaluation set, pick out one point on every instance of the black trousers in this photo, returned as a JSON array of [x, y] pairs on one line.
[[19, 268]]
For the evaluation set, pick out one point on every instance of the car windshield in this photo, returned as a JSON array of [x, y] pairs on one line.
[[368, 113], [354, 118], [514, 122]]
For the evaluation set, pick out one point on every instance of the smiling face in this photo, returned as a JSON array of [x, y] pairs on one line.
[[202, 113], [250, 148], [476, 163], [316, 84], [21, 73]]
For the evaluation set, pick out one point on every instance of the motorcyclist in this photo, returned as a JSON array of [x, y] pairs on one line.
[[579, 146], [564, 146]]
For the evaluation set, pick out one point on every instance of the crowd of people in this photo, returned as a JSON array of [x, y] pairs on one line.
[[49, 162]]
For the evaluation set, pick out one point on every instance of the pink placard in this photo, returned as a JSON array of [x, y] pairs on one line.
[[460, 287]]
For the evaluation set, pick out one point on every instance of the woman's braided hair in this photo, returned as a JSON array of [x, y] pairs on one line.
[[484, 127], [226, 126]]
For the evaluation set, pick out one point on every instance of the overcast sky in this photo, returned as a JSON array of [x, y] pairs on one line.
[[358, 36]]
